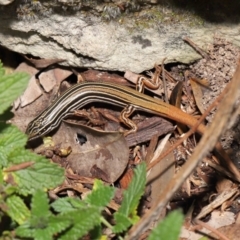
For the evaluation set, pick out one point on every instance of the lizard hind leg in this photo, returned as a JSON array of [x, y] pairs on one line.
[[124, 118]]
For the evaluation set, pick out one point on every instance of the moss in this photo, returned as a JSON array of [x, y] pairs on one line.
[[132, 13], [135, 12], [161, 15]]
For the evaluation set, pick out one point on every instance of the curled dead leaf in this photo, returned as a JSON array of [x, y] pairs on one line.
[[94, 153]]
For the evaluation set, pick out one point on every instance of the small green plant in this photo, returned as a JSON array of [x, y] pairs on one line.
[[26, 177]]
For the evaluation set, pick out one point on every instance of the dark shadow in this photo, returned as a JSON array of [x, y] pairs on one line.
[[213, 11]]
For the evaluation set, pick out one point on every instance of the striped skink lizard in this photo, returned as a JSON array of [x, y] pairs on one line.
[[81, 94]]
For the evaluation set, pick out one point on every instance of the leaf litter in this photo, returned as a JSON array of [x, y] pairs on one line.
[[218, 69]]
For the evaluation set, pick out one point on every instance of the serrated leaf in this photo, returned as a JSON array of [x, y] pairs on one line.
[[101, 195], [42, 234], [11, 86], [41, 175], [83, 221], [17, 209], [55, 225], [10, 139], [122, 223], [42, 224], [39, 205], [11, 136], [9, 189], [169, 228], [3, 157], [63, 205], [134, 216], [132, 195], [25, 230], [21, 155]]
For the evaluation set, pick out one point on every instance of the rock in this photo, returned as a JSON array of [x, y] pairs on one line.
[[5, 2], [113, 45]]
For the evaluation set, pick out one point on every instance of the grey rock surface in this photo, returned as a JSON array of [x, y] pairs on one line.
[[5, 2], [92, 43]]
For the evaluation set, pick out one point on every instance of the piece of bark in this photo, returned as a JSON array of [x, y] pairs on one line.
[[148, 128]]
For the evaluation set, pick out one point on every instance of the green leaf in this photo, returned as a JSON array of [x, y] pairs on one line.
[[17, 209], [10, 139], [101, 195], [25, 230], [83, 221], [42, 224], [96, 233], [3, 157], [11, 86], [11, 136], [39, 205], [169, 228], [41, 175], [52, 226], [63, 205], [132, 195], [55, 224], [123, 223], [77, 204]]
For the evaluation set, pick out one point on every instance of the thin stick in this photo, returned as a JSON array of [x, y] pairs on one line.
[[196, 48], [211, 229], [164, 81]]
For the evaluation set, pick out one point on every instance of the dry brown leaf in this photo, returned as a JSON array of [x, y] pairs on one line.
[[197, 88], [175, 100], [24, 67], [61, 74], [220, 199], [223, 184], [218, 219], [94, 153], [32, 92], [28, 96], [126, 179], [176, 95], [53, 77], [47, 80]]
